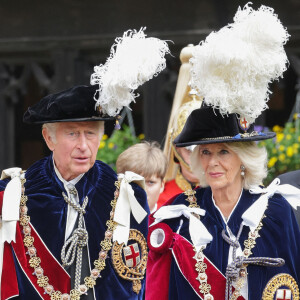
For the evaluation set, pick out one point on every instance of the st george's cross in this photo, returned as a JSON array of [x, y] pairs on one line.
[[132, 255], [244, 124], [284, 294]]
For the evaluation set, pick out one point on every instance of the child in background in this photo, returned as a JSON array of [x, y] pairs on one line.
[[147, 160]]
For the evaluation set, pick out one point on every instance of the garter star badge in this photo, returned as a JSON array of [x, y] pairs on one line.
[[281, 287], [130, 261]]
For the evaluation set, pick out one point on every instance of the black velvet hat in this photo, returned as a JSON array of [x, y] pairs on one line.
[[76, 104], [207, 126]]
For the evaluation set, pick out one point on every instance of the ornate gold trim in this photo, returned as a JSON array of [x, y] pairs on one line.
[[134, 274], [278, 281], [182, 182], [43, 281], [200, 266], [249, 244], [191, 198]]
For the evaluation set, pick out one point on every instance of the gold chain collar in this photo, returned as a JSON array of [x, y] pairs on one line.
[[201, 266], [35, 261], [249, 245]]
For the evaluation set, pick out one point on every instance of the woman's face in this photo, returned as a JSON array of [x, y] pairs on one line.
[[221, 165]]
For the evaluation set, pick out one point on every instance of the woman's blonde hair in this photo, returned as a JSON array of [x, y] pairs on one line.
[[254, 159], [145, 159]]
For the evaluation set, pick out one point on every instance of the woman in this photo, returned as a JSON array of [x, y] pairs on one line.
[[237, 224], [231, 238]]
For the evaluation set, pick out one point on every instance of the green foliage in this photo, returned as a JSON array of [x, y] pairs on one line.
[[111, 148], [283, 151]]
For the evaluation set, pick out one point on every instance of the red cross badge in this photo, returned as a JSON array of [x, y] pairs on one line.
[[284, 294], [283, 286], [244, 124], [130, 263], [132, 255]]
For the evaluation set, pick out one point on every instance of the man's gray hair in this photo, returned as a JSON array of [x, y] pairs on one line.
[[51, 129]]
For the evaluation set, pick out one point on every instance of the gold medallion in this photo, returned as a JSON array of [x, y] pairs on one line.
[[286, 282], [135, 256]]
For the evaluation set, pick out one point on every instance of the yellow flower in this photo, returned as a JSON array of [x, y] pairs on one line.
[[111, 145], [281, 148], [292, 130], [280, 137], [274, 150], [102, 145], [288, 136], [295, 146], [272, 162], [105, 137], [277, 128], [295, 116], [298, 138], [289, 151], [141, 136], [281, 157]]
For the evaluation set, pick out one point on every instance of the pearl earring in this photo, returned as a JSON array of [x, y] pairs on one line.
[[243, 170]]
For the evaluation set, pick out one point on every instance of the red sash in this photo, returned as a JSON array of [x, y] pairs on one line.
[[58, 277], [183, 253]]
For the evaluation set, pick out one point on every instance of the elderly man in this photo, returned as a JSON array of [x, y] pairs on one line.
[[82, 232]]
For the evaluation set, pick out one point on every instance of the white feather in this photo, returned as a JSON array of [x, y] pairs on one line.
[[233, 67], [134, 59]]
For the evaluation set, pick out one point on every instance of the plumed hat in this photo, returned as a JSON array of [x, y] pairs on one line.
[[134, 59], [232, 70]]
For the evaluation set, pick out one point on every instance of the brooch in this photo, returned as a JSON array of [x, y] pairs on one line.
[[130, 261], [282, 287]]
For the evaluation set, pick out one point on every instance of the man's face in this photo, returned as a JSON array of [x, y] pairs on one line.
[[75, 147]]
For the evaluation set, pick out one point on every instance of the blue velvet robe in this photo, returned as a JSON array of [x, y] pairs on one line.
[[279, 237], [48, 214]]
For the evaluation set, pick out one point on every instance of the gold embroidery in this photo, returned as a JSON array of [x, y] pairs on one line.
[[134, 274], [278, 281], [191, 198]]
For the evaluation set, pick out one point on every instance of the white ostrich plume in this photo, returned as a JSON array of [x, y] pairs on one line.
[[233, 67], [134, 59]]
